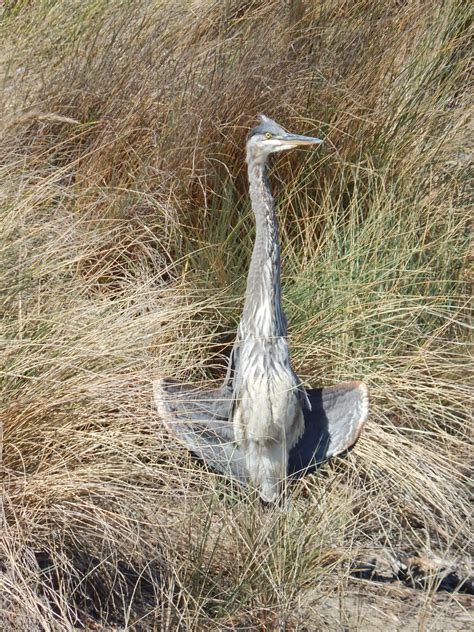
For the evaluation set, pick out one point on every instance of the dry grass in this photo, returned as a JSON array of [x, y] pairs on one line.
[[125, 238]]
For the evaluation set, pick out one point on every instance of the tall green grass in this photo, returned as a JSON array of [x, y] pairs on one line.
[[126, 233]]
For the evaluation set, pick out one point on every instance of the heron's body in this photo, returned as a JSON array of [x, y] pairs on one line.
[[267, 416], [268, 398]]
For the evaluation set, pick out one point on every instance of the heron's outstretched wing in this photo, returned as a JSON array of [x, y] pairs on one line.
[[199, 418], [332, 426]]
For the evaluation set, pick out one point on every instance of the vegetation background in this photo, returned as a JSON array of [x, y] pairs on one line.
[[125, 238]]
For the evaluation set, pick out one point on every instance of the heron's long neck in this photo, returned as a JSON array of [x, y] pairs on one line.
[[263, 315]]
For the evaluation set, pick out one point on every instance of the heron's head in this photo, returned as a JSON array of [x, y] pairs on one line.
[[268, 137]]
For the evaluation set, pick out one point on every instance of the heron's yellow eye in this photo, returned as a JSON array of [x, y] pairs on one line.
[[268, 135]]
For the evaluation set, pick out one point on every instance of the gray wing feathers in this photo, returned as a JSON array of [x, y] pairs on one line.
[[346, 407], [199, 419]]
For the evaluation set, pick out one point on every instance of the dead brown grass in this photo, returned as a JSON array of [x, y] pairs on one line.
[[124, 244]]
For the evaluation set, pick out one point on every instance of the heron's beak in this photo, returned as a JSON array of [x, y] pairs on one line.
[[297, 140]]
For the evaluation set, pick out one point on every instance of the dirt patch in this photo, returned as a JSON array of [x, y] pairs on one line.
[[392, 607]]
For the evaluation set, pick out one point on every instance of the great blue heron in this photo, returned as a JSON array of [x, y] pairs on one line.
[[261, 424], [268, 398]]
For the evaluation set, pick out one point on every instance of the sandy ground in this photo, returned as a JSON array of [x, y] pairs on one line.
[[394, 608]]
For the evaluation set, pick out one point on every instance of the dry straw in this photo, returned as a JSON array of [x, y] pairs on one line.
[[125, 239]]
